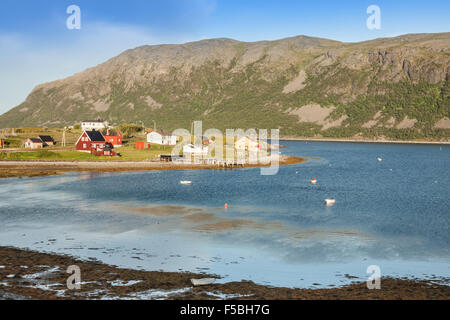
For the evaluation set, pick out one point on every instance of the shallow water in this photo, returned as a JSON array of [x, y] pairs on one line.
[[277, 230]]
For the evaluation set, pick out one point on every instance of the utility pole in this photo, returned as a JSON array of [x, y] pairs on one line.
[[63, 142]]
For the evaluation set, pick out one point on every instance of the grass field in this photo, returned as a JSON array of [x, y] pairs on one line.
[[128, 153], [57, 153], [16, 139]]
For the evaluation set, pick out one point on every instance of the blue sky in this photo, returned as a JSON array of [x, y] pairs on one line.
[[36, 46]]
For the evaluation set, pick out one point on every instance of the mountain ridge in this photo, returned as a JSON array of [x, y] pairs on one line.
[[388, 87]]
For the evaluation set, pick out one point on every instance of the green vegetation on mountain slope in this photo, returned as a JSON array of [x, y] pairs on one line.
[[395, 88]]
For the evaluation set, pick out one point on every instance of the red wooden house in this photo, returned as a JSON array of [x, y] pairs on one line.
[[90, 140], [114, 137], [94, 142]]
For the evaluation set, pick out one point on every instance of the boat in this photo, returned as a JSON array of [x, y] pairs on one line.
[[193, 150], [203, 282], [186, 182], [313, 181], [330, 201], [380, 160]]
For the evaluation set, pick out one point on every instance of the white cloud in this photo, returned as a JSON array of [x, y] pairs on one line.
[[27, 61]]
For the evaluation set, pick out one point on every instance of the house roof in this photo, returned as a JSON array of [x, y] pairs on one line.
[[96, 121], [112, 133], [95, 136], [36, 140], [163, 133], [46, 138], [246, 138]]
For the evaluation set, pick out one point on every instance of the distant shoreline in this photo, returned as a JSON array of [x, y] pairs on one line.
[[35, 168], [366, 141]]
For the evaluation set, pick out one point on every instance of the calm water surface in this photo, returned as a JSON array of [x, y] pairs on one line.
[[277, 230]]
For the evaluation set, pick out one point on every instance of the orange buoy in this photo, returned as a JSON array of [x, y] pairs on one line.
[[226, 206]]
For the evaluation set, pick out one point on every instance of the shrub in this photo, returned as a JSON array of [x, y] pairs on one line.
[[129, 129]]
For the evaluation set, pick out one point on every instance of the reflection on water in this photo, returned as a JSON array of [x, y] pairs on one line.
[[277, 231]]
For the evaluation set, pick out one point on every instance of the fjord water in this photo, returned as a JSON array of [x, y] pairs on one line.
[[394, 214]]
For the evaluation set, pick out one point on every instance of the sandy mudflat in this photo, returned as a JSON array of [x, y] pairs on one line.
[[159, 211], [32, 275], [44, 168], [197, 219]]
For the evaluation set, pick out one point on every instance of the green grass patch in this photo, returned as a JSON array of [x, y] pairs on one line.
[[128, 154]]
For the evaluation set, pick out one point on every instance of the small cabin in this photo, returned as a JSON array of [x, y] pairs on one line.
[[34, 143], [141, 145], [48, 140]]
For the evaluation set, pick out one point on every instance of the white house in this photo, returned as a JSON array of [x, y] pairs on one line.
[[247, 144], [34, 143], [97, 125], [190, 149], [162, 138]]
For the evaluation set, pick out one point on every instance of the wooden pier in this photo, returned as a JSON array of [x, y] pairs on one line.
[[221, 164]]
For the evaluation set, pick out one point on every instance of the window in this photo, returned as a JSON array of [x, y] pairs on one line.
[[84, 146]]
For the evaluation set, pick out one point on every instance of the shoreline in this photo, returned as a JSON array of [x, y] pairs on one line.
[[413, 142], [35, 168], [26, 275]]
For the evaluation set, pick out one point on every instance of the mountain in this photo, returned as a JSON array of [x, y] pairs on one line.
[[392, 87]]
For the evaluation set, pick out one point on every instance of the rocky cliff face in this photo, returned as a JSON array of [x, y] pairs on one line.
[[304, 86]]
